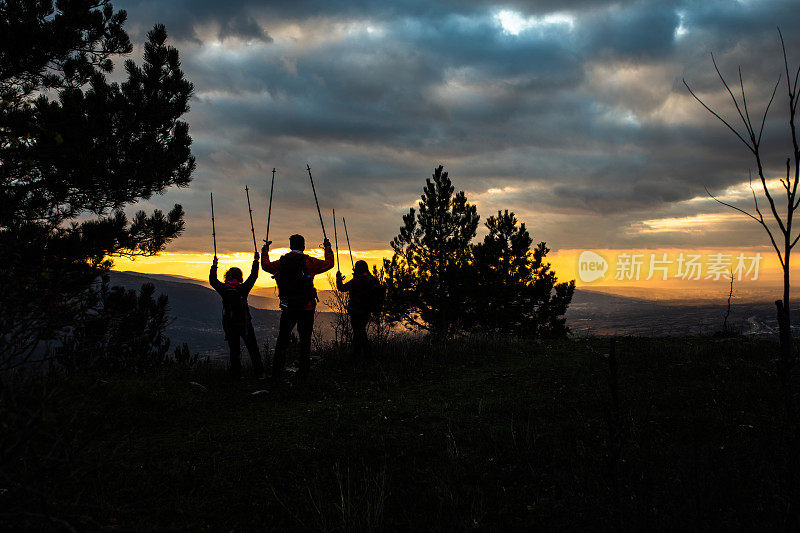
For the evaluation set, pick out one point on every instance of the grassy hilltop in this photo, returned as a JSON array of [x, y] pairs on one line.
[[473, 433]]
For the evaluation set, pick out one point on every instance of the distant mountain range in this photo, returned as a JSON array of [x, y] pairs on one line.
[[197, 312]]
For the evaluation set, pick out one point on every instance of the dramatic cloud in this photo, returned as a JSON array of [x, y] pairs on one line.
[[571, 113]]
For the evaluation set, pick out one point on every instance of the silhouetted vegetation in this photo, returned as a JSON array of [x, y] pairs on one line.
[[121, 331], [786, 240], [481, 431], [515, 290], [439, 281], [75, 150]]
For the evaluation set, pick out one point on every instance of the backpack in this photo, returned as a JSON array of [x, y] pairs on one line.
[[295, 283], [366, 295], [377, 294], [234, 309]]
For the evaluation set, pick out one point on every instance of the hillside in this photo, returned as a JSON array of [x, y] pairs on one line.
[[480, 433]]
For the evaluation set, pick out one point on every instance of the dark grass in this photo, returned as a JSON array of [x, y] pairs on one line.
[[476, 432]]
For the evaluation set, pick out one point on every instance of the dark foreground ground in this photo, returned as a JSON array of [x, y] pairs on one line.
[[478, 433]]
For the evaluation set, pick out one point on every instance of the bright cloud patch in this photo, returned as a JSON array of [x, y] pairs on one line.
[[514, 23], [691, 224]]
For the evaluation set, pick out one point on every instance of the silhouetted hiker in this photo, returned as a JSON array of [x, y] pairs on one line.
[[366, 297], [236, 320], [294, 273]]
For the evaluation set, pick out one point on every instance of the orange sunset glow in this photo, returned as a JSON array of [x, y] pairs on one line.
[[565, 262]]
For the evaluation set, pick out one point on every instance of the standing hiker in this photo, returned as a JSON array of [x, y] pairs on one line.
[[236, 320], [294, 273], [366, 297]]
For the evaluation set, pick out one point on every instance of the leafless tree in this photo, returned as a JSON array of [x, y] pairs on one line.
[[725, 328], [751, 137], [337, 303]]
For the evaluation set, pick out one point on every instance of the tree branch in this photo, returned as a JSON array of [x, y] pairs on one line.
[[766, 110], [744, 102], [718, 117], [747, 125], [732, 206]]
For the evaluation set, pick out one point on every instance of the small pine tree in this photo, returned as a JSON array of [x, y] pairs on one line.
[[438, 281], [122, 331], [515, 290], [427, 277]]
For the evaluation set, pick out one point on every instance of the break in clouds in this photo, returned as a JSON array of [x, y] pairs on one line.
[[570, 113]]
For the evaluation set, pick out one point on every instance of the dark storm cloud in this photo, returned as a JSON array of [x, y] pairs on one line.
[[643, 30], [232, 18], [575, 107]]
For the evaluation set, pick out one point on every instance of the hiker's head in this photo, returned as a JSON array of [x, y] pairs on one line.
[[360, 267], [234, 274], [297, 242]]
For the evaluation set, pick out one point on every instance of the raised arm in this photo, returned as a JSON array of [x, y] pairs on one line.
[[212, 277], [342, 287], [251, 279], [266, 264], [318, 266]]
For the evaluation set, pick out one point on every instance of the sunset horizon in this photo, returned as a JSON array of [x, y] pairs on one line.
[[564, 262]]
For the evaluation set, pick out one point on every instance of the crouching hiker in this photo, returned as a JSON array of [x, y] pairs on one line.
[[366, 298], [236, 320], [294, 273]]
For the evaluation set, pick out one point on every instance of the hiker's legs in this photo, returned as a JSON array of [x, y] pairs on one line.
[[252, 348], [288, 320], [305, 326], [361, 346], [234, 346]]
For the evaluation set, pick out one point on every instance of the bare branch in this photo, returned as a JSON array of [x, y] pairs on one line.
[[788, 174], [757, 154], [786, 183], [774, 244], [746, 143], [786, 63], [761, 218], [744, 101], [747, 125], [794, 91], [766, 110], [733, 206], [753, 191]]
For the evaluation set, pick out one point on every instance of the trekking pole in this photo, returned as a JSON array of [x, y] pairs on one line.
[[252, 229], [308, 167], [213, 228], [348, 243], [336, 240], [269, 212]]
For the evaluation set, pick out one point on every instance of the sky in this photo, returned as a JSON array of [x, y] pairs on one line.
[[572, 114]]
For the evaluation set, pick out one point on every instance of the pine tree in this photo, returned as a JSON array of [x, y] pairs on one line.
[[119, 330], [75, 151], [439, 281], [516, 291], [428, 275]]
